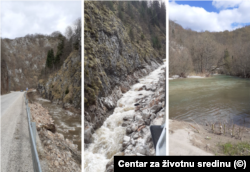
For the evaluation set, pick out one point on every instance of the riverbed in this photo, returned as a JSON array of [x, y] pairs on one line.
[[109, 138], [67, 123], [219, 98]]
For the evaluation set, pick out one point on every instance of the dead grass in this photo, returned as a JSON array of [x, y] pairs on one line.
[[224, 138]]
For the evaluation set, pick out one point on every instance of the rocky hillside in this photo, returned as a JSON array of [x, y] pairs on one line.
[[64, 86], [116, 54], [4, 77], [23, 59]]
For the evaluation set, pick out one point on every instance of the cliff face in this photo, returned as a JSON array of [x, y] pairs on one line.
[[4, 77], [112, 62], [64, 86], [23, 59]]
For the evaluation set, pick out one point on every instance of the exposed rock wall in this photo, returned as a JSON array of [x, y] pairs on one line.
[[4, 77], [64, 86], [112, 62], [25, 57]]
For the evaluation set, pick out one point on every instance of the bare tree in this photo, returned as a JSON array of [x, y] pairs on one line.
[[68, 32]]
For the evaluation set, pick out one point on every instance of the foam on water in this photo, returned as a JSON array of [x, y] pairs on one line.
[[109, 137]]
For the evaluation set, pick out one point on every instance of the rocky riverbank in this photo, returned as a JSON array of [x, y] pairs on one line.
[[95, 115], [59, 153], [113, 62], [149, 110]]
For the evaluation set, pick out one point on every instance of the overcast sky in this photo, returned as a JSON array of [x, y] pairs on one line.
[[20, 18], [213, 15]]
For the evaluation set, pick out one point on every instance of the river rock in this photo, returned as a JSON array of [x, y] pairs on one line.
[[147, 121], [150, 87], [129, 130], [125, 118], [136, 135], [126, 123], [129, 147], [145, 114], [126, 141], [110, 166], [153, 116], [134, 126], [140, 149], [124, 89], [87, 136], [133, 142], [156, 108], [139, 120]]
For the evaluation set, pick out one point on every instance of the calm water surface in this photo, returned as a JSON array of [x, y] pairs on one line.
[[215, 99]]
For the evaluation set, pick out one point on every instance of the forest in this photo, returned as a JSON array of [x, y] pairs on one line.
[[66, 45], [205, 53], [150, 15]]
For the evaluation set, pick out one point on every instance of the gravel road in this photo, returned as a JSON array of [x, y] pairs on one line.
[[15, 145]]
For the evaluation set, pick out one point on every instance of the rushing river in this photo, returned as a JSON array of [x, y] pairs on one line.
[[67, 123], [219, 98], [108, 139]]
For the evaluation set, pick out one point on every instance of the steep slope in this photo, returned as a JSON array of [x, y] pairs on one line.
[[64, 86], [204, 53], [113, 60], [4, 77], [23, 59]]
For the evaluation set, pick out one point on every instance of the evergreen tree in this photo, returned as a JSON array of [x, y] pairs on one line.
[[156, 42], [130, 11], [49, 61], [120, 13], [154, 12], [52, 57], [135, 3], [59, 52], [131, 34], [163, 14], [109, 4]]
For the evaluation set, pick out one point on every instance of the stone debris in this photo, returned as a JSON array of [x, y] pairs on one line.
[[99, 112], [61, 154], [150, 110]]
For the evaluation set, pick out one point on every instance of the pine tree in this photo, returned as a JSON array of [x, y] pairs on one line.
[[131, 34], [49, 60], [120, 13], [52, 57], [109, 4], [130, 11], [59, 52], [163, 14]]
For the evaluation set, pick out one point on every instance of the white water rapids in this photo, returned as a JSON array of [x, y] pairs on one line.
[[107, 140]]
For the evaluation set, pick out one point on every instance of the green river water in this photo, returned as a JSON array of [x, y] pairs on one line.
[[219, 98]]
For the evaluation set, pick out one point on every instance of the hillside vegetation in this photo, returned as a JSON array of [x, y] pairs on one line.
[[60, 79], [206, 52], [4, 78], [119, 38], [22, 60]]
